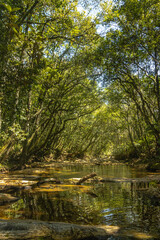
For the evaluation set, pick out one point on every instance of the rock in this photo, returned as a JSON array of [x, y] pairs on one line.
[[7, 198], [30, 229]]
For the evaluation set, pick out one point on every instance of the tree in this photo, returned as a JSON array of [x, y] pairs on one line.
[[45, 77], [131, 54]]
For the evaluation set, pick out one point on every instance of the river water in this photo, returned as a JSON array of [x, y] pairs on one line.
[[114, 203]]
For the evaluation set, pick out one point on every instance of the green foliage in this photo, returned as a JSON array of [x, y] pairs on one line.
[[51, 62], [130, 56], [17, 132], [46, 80]]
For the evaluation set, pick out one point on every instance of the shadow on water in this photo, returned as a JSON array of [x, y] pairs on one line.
[[115, 204]]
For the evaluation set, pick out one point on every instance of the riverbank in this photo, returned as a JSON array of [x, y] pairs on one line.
[[143, 163], [148, 164], [63, 161]]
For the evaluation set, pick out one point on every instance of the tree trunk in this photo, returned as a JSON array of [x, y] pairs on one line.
[[157, 83], [0, 116], [158, 145], [16, 104], [1, 99]]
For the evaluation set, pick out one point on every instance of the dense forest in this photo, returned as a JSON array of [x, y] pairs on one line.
[[79, 79]]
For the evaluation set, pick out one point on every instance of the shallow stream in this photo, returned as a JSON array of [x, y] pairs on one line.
[[114, 203]]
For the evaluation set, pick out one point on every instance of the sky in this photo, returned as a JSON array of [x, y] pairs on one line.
[[92, 12]]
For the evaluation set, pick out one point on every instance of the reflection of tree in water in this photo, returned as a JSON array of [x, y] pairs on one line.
[[117, 204], [149, 212], [61, 206], [125, 206]]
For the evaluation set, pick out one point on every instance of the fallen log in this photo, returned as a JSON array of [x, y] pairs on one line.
[[146, 179], [13, 189], [85, 178], [31, 229]]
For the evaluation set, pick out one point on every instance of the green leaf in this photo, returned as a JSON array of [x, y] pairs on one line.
[[14, 29], [8, 7], [15, 9]]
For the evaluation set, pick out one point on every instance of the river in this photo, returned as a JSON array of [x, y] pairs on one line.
[[114, 203]]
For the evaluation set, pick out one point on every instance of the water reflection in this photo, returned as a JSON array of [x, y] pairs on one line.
[[118, 204]]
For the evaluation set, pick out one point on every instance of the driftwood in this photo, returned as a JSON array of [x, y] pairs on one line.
[[85, 178], [146, 179], [13, 189], [30, 229]]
